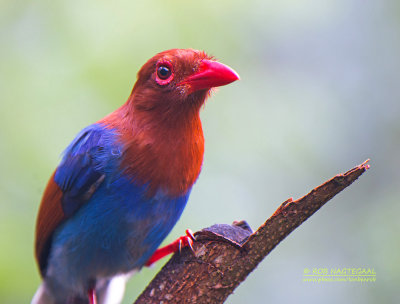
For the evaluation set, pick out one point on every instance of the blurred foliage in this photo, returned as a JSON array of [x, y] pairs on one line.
[[319, 94]]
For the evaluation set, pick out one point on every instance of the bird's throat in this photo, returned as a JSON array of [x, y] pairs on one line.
[[163, 153]]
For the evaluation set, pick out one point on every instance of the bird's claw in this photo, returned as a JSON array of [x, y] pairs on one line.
[[190, 234], [187, 240], [177, 245]]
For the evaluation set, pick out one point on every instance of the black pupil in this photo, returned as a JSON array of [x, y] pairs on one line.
[[163, 72]]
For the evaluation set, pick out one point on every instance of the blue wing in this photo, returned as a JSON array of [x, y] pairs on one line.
[[87, 160]]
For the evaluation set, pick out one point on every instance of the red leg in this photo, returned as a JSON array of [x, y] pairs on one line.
[[175, 246], [92, 296]]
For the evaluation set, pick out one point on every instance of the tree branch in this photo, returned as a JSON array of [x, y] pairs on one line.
[[224, 255]]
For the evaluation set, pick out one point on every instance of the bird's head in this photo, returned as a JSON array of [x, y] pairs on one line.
[[179, 79], [159, 125]]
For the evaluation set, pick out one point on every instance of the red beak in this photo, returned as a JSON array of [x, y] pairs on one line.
[[209, 75]]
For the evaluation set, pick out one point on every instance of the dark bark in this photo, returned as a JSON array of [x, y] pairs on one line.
[[224, 255]]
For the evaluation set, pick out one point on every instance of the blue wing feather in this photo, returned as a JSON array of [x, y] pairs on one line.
[[85, 163]]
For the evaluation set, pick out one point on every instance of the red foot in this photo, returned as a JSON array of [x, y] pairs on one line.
[[176, 245], [92, 296]]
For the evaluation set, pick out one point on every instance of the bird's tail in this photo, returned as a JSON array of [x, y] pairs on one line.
[[110, 293], [42, 296]]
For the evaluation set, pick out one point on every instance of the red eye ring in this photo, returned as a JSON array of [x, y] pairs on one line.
[[164, 72]]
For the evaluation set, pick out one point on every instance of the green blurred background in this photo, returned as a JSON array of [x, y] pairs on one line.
[[319, 93]]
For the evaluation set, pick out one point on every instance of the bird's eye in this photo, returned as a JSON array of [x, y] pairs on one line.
[[163, 72]]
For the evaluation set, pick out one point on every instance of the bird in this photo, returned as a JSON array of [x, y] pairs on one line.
[[123, 182]]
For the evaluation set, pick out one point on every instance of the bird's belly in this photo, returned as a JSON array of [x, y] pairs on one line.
[[115, 232]]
